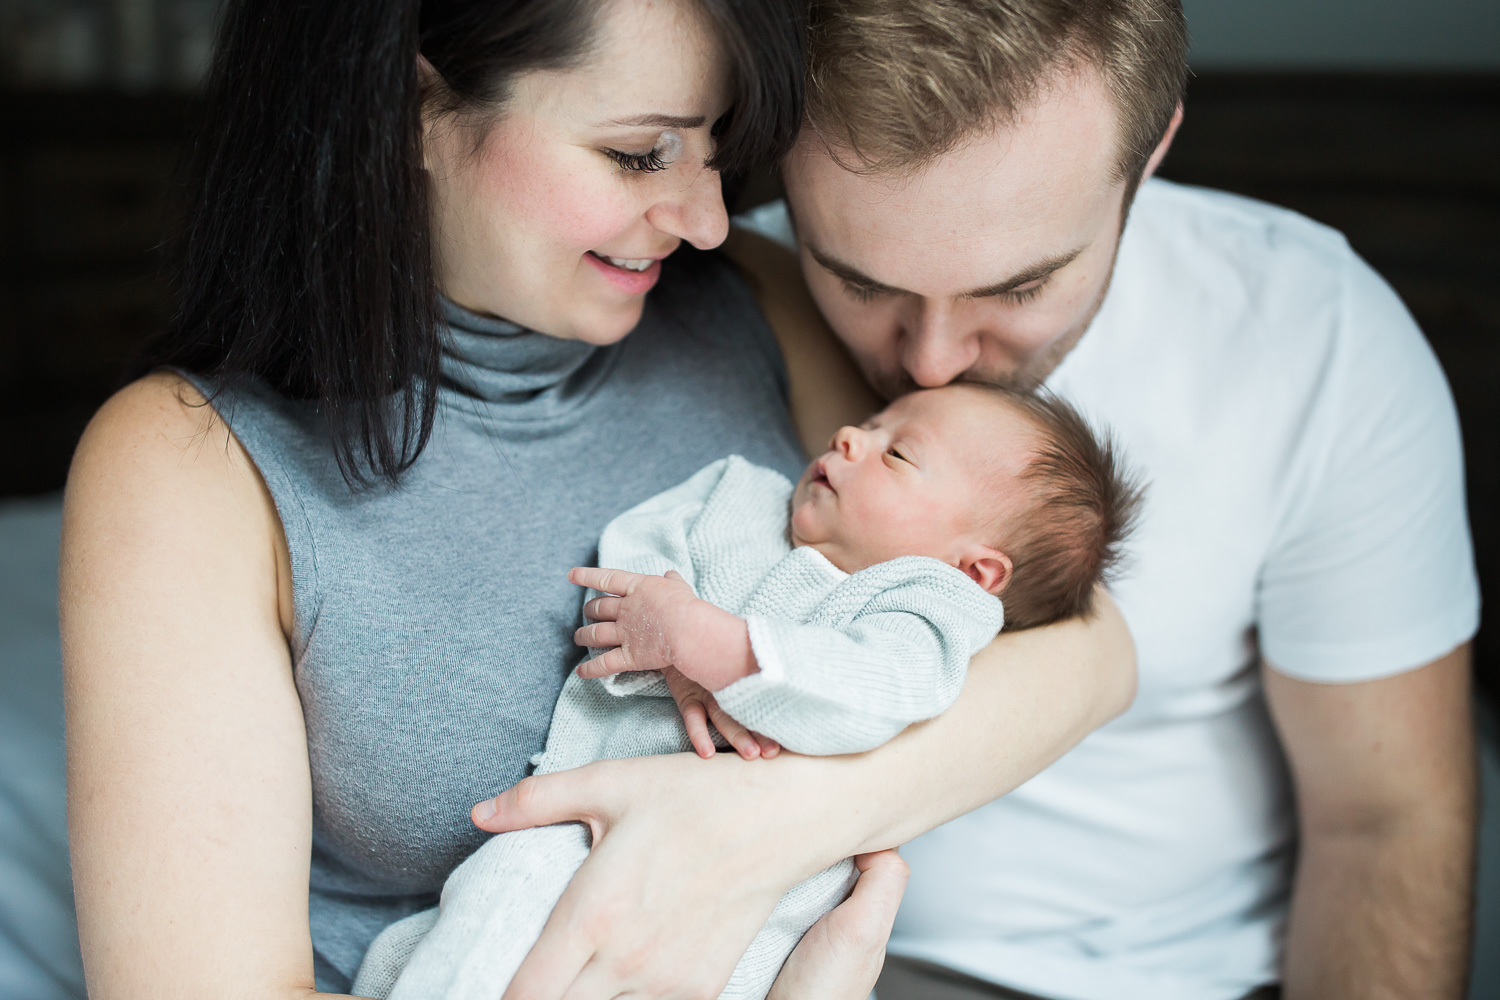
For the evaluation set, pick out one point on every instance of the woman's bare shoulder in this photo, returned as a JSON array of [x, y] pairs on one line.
[[158, 467], [160, 431]]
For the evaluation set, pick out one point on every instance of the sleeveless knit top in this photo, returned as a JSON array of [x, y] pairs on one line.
[[433, 621]]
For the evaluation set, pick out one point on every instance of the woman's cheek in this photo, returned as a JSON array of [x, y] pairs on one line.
[[559, 196]]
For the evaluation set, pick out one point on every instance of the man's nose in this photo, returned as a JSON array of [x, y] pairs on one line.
[[937, 345], [694, 213]]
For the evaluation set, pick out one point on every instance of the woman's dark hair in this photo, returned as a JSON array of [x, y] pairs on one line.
[[307, 261]]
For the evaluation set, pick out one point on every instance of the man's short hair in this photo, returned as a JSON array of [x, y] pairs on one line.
[[898, 83], [1082, 503]]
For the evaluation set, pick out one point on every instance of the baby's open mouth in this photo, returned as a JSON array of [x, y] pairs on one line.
[[820, 476]]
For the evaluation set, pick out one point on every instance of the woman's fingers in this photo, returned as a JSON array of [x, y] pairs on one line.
[[882, 883], [840, 957], [544, 799], [554, 964], [606, 581], [600, 635], [673, 889]]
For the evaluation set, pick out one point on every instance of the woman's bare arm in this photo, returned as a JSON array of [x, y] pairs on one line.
[[827, 390], [189, 802], [683, 844]]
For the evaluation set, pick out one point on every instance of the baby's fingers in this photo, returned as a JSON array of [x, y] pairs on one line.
[[600, 635], [768, 747], [695, 721], [607, 581], [742, 739], [603, 609], [613, 662]]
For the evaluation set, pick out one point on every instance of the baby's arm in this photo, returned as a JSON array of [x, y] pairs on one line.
[[656, 623], [891, 648]]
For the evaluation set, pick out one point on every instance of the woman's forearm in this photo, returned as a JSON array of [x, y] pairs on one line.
[[1030, 697], [683, 845]]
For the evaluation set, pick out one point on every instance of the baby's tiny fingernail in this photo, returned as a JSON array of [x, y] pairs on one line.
[[484, 810]]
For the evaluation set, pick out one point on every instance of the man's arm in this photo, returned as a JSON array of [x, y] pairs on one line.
[[1386, 783]]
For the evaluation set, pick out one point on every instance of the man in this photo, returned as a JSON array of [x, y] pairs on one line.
[[1301, 588]]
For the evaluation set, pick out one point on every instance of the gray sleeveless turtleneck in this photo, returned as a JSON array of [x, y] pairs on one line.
[[434, 621]]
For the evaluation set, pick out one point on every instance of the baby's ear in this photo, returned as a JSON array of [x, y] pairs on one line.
[[990, 568]]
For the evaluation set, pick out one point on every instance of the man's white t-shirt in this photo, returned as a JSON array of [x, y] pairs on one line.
[[1305, 504]]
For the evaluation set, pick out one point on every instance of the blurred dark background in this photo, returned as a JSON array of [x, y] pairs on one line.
[[1379, 118]]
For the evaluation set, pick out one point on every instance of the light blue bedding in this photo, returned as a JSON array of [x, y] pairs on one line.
[[38, 937]]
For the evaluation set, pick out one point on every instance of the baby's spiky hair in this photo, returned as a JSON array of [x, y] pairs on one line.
[[1083, 503]]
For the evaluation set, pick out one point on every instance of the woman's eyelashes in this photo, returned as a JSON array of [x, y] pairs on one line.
[[639, 162], [659, 157]]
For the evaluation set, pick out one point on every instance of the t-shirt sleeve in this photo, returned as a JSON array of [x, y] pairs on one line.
[[1370, 572]]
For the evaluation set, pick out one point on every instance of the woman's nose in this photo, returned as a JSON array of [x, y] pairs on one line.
[[695, 213]]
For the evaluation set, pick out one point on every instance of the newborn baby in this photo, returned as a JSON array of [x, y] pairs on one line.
[[825, 618]]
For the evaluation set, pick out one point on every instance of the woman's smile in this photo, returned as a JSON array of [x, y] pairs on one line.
[[632, 276]]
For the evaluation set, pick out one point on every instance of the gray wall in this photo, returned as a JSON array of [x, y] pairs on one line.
[[1345, 34]]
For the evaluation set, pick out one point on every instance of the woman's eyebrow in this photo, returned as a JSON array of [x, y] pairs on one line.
[[658, 121]]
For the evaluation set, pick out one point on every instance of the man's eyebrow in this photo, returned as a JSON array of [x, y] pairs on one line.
[[658, 121], [1033, 272], [851, 274]]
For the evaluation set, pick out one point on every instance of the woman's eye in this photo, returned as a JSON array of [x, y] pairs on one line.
[[860, 292], [668, 147], [645, 162]]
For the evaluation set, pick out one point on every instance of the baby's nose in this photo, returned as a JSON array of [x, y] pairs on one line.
[[846, 442]]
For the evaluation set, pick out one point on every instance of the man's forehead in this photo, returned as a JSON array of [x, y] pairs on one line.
[[997, 204]]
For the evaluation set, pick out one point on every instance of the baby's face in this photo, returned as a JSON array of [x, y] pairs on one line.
[[928, 476]]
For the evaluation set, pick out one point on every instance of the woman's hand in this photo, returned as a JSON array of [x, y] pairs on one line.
[[690, 856], [841, 956], [671, 894]]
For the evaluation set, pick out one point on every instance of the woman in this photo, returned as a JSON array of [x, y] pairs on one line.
[[306, 628]]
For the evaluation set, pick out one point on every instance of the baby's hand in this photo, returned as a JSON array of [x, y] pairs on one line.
[[638, 623], [657, 623], [699, 708]]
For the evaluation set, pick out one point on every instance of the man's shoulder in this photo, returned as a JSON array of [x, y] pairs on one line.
[[1241, 274], [1180, 222]]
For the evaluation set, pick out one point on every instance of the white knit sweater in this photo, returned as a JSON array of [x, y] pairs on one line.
[[846, 662]]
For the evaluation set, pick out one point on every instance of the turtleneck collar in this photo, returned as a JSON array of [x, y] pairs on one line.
[[501, 363]]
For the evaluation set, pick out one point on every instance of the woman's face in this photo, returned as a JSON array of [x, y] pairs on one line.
[[558, 219]]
